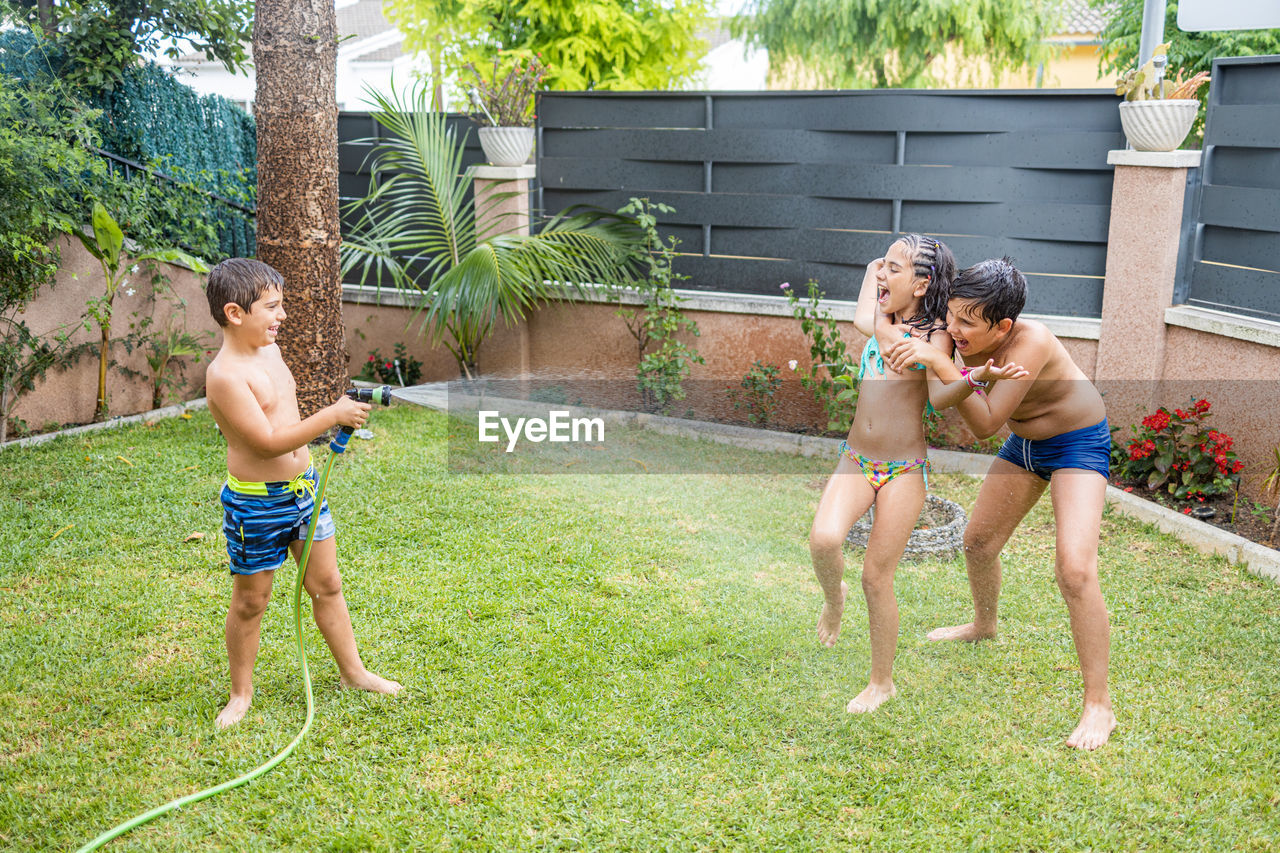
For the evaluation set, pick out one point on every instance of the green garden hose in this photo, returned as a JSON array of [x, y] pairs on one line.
[[337, 446]]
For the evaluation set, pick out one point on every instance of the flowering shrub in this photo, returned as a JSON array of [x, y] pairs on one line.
[[1178, 452], [402, 369], [759, 391]]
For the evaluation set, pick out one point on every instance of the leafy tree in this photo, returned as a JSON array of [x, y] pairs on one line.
[[585, 44], [1188, 52], [419, 230], [103, 37], [878, 43]]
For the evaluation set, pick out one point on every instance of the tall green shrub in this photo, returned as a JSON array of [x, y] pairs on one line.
[[45, 168], [664, 359]]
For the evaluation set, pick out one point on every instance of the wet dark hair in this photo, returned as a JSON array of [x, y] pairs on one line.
[[996, 286], [239, 280], [930, 259]]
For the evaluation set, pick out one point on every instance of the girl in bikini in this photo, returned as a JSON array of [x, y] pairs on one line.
[[883, 462]]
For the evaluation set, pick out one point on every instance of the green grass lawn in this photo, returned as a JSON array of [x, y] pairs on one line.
[[600, 661]]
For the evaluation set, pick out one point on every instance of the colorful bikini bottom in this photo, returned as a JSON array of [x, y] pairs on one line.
[[879, 472]]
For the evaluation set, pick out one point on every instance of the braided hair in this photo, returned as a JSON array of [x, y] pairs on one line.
[[931, 260]]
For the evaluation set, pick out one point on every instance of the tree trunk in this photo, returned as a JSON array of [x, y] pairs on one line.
[[4, 413], [44, 13], [437, 77], [104, 355], [295, 50]]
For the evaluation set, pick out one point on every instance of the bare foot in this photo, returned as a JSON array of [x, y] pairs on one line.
[[967, 633], [829, 621], [1096, 725], [234, 711], [871, 698], [366, 680]]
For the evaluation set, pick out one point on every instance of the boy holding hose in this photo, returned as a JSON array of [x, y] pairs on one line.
[[270, 492]]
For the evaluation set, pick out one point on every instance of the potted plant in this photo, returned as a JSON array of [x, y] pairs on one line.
[[502, 104], [1157, 114]]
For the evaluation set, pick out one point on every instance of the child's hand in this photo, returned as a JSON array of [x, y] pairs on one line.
[[989, 372], [901, 354], [350, 412]]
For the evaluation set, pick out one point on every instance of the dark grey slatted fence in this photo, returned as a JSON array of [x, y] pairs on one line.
[[783, 186], [356, 130], [1235, 252]]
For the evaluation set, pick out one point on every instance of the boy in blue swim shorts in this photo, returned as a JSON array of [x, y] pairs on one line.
[[269, 496], [1060, 442]]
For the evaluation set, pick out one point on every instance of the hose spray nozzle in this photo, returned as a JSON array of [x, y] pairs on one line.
[[380, 395]]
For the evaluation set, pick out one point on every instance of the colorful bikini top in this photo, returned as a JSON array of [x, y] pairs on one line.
[[871, 358]]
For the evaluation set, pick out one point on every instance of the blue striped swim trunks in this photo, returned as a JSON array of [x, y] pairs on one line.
[[259, 520]]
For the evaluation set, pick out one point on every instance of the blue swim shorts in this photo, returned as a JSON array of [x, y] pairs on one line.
[[1088, 448], [259, 520]]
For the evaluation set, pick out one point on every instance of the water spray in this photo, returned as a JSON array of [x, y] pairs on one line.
[[381, 396]]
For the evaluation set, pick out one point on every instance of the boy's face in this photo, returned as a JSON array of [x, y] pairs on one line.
[[897, 285], [261, 323], [970, 331]]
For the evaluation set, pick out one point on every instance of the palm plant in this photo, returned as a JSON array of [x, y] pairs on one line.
[[419, 231]]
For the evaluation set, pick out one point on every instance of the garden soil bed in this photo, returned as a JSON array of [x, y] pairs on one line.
[[1244, 518]]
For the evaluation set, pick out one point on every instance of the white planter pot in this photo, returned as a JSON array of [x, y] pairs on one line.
[[1157, 125], [507, 146]]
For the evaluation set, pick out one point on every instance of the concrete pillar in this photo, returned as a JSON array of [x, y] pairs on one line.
[[1142, 258], [503, 207], [496, 211]]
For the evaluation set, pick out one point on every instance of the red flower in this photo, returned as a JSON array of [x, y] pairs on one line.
[[1202, 406], [387, 366], [1237, 467], [1128, 488], [1158, 421], [1181, 414], [1187, 511], [371, 358]]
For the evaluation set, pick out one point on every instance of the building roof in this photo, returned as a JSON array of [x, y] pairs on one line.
[[1080, 18], [717, 34], [362, 20]]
